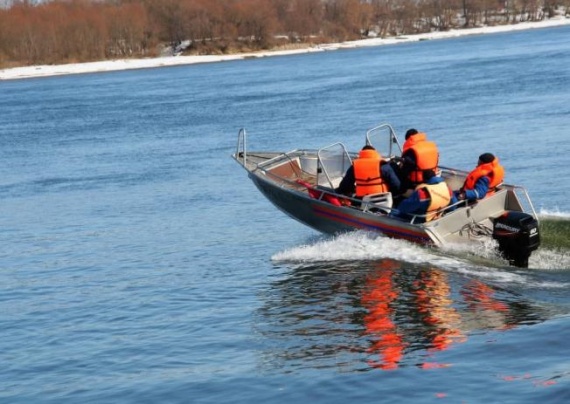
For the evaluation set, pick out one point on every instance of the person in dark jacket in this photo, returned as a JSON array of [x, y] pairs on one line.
[[427, 199], [349, 182]]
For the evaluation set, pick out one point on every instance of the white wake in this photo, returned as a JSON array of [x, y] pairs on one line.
[[479, 260]]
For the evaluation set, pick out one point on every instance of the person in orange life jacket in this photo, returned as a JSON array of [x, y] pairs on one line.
[[369, 175], [483, 180], [418, 154], [427, 198]]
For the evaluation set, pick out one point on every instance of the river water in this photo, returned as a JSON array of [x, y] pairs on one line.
[[140, 265]]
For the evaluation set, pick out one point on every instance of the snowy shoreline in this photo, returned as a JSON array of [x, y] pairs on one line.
[[126, 64]]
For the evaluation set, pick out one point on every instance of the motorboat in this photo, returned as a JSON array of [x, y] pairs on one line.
[[302, 183]]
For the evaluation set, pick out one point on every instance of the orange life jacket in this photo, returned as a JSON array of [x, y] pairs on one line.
[[493, 170], [367, 174], [414, 139], [439, 195], [426, 153]]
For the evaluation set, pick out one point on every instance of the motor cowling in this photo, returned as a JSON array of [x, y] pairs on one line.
[[517, 234]]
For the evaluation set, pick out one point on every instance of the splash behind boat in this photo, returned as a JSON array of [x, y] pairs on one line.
[[301, 183]]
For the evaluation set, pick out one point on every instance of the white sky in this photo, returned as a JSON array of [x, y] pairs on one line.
[[125, 64]]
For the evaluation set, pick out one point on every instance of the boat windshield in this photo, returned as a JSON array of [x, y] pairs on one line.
[[384, 139], [333, 162]]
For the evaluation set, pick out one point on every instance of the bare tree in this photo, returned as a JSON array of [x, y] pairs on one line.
[[59, 31], [169, 20], [127, 30], [305, 18], [439, 14], [255, 21]]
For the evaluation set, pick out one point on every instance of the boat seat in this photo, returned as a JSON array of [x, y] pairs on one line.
[[383, 201]]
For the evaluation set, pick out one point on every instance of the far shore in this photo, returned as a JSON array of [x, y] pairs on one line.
[[126, 64]]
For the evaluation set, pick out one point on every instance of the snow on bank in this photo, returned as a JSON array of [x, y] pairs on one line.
[[125, 64]]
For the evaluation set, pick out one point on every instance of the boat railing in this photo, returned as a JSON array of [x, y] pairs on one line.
[[521, 200], [289, 156], [438, 213], [524, 200], [241, 154], [241, 148], [452, 171], [284, 169]]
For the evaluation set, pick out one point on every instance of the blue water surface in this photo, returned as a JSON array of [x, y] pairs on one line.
[[139, 264]]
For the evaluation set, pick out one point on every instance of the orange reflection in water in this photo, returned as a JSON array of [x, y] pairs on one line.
[[435, 306], [377, 298], [440, 323], [481, 301]]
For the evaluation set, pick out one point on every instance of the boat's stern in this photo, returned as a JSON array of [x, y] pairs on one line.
[[517, 234], [503, 217]]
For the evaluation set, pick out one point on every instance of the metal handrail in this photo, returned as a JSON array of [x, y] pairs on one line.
[[465, 203], [527, 197], [241, 142], [286, 155], [453, 171]]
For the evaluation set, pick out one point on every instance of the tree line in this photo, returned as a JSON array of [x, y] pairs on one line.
[[66, 31]]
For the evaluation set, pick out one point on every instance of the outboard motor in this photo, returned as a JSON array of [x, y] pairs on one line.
[[518, 235]]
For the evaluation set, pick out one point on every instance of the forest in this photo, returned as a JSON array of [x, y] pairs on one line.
[[73, 31]]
